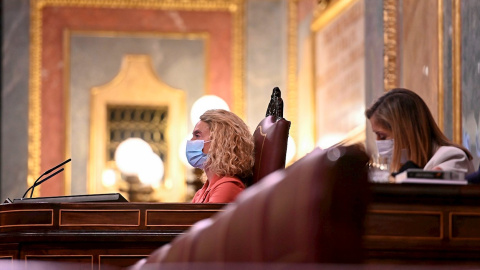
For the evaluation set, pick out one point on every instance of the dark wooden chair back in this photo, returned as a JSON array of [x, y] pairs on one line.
[[271, 136]]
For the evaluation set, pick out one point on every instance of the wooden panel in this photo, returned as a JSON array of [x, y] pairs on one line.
[[8, 252], [17, 218], [106, 261], [464, 226], [179, 218], [80, 262], [419, 50], [85, 217], [404, 224]]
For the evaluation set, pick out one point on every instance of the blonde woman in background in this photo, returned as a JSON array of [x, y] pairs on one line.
[[222, 146], [406, 131]]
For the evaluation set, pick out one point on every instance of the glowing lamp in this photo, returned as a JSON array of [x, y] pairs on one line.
[[151, 172], [205, 103], [109, 177], [131, 154]]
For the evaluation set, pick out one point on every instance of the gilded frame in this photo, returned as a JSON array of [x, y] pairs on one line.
[[92, 165], [457, 71], [137, 73], [326, 12], [391, 79], [234, 7]]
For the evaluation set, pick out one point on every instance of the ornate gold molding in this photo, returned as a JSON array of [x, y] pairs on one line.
[[441, 91], [327, 10], [236, 7], [68, 115], [457, 71], [390, 78], [34, 111], [201, 5], [150, 92], [238, 59], [391, 52]]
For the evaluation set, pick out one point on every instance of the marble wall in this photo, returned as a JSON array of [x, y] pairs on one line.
[[470, 10], [374, 86], [447, 69], [15, 83], [266, 56]]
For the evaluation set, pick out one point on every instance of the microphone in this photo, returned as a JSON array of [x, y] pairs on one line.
[[43, 180], [36, 183], [48, 177], [47, 172]]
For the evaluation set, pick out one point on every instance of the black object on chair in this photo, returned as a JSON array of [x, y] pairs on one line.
[[275, 106], [271, 136]]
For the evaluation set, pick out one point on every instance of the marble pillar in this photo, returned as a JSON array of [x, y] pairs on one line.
[[15, 82]]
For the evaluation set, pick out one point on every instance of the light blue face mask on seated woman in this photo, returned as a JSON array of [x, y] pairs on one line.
[[194, 153], [385, 148]]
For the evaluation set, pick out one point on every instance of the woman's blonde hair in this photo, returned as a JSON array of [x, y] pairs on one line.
[[404, 113], [232, 150]]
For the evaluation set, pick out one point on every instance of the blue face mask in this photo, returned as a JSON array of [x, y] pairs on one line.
[[385, 148], [194, 153]]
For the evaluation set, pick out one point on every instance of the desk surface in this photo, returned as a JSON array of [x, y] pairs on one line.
[[404, 224], [426, 194]]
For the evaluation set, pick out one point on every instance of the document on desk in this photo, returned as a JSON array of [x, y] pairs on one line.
[[419, 176]]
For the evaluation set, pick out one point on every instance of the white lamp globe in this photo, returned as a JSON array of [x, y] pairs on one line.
[[152, 170], [131, 154], [205, 103]]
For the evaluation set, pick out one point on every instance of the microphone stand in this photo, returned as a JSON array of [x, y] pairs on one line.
[[43, 174], [43, 180]]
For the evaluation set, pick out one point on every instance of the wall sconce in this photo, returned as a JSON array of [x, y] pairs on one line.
[[109, 177], [205, 103], [130, 154]]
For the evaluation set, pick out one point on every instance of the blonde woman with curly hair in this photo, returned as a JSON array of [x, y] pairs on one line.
[[223, 147]]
